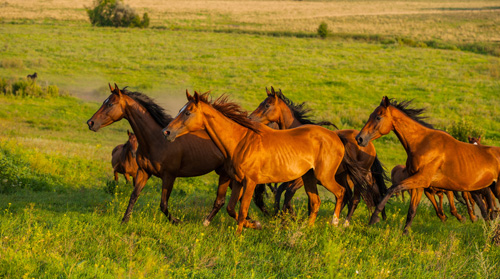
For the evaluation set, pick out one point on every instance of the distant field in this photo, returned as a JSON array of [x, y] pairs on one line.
[[60, 211], [450, 21]]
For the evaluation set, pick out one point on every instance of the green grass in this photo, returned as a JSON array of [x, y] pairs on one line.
[[58, 218]]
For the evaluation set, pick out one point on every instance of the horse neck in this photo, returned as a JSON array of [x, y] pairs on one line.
[[409, 132], [287, 119], [145, 128], [225, 133]]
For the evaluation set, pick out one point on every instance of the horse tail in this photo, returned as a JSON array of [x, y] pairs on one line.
[[357, 174], [379, 173], [327, 123]]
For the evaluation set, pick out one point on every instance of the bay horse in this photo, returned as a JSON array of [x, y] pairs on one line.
[[277, 108], [257, 154], [435, 159], [192, 155], [32, 77], [399, 174], [123, 158]]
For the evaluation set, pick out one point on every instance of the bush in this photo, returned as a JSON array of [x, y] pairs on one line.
[[25, 88], [463, 129], [323, 30], [115, 13]]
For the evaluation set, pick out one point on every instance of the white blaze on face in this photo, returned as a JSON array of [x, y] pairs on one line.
[[106, 101], [182, 109]]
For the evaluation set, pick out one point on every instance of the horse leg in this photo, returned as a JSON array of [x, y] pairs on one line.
[[469, 202], [116, 175], [324, 175], [224, 181], [430, 196], [453, 209], [420, 179], [127, 178], [142, 178], [277, 196], [248, 189], [355, 201], [479, 201], [416, 196], [290, 192], [166, 190], [258, 198], [312, 193]]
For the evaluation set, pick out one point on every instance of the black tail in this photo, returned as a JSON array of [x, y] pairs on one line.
[[358, 175], [327, 123], [379, 173]]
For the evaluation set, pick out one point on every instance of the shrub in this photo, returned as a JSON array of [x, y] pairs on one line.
[[25, 88], [323, 30], [115, 13], [463, 129]]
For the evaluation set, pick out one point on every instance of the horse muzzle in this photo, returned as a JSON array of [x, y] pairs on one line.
[[169, 135], [362, 140]]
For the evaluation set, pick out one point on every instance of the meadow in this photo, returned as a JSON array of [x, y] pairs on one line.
[[60, 210]]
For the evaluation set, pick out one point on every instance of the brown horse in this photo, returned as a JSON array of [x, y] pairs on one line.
[[257, 154], [277, 108], [435, 159], [399, 174], [123, 158], [192, 155]]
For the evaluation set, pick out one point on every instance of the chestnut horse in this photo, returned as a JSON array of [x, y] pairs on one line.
[[123, 158], [192, 155], [399, 174], [279, 109], [257, 154], [435, 159]]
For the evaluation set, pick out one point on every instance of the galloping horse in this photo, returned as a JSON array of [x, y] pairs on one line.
[[192, 155], [279, 109], [434, 157], [123, 158], [257, 154]]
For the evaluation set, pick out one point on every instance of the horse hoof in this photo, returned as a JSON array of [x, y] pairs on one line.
[[375, 219], [174, 221], [335, 221], [346, 223], [206, 223], [257, 225]]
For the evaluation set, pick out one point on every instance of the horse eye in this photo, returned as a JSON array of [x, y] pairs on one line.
[[378, 117], [110, 104], [188, 113], [267, 105]]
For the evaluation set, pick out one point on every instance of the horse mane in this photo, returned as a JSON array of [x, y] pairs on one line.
[[301, 113], [158, 113], [230, 110], [413, 113]]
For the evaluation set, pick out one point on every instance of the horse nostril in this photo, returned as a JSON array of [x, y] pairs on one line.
[[90, 123], [359, 139]]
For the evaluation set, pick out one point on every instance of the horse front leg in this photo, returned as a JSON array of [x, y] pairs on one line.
[[277, 196], [142, 177], [224, 182], [166, 190], [258, 198], [432, 199], [416, 197], [290, 192], [453, 209], [311, 188], [246, 198]]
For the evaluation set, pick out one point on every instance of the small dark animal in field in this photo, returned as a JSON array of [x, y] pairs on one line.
[[32, 77], [123, 158]]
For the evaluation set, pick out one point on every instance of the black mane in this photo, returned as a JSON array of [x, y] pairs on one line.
[[413, 113], [157, 112], [301, 113]]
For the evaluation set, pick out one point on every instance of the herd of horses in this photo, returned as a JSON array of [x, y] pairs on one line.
[[279, 143]]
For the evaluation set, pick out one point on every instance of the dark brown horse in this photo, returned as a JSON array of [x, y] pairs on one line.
[[192, 155], [277, 108], [435, 159], [399, 174], [32, 77], [257, 154], [123, 158]]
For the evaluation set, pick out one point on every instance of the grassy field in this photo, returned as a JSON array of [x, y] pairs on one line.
[[60, 211]]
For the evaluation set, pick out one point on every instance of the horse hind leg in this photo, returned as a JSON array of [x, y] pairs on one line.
[[277, 196], [432, 199], [335, 188], [453, 209], [167, 185], [258, 198], [312, 193], [290, 192], [416, 197]]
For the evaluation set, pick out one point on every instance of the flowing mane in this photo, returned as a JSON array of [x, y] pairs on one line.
[[158, 113], [413, 113], [231, 110], [301, 113]]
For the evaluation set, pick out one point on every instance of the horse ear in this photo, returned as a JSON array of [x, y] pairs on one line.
[[196, 97], [385, 102], [479, 138], [280, 93], [117, 89], [268, 92], [468, 138], [110, 87], [188, 96], [128, 132]]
